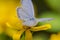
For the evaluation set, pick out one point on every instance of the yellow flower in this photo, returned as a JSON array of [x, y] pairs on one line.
[[55, 36], [7, 9], [17, 33]]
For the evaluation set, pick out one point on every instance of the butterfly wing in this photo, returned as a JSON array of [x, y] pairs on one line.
[[44, 19], [28, 7], [22, 14]]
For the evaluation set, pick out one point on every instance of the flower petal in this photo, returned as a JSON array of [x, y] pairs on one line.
[[28, 35], [17, 28], [1, 29], [17, 35], [13, 32], [55, 36], [39, 28]]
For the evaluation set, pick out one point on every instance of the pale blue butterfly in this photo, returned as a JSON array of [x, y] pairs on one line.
[[26, 13]]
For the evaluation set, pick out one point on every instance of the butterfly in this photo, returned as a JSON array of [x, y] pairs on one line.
[[26, 13]]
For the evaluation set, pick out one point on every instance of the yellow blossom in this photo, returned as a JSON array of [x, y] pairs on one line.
[[16, 33], [55, 36], [7, 10]]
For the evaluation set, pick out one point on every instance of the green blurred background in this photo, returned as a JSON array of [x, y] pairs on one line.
[[43, 9]]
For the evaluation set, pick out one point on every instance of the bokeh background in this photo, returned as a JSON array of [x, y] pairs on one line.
[[43, 9]]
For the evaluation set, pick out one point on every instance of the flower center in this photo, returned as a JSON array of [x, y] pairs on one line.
[[26, 28]]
